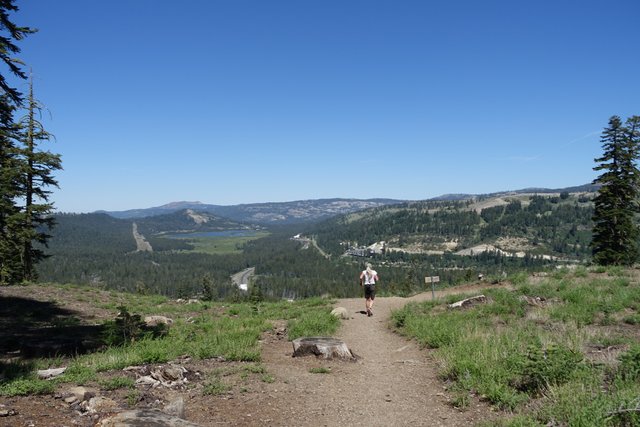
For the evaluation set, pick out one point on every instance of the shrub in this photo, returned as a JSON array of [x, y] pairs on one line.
[[629, 368], [26, 386], [545, 367], [128, 328]]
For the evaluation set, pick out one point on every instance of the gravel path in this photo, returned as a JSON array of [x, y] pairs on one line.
[[394, 383]]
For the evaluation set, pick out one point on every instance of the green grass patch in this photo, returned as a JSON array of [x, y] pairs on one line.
[[117, 383], [512, 354], [215, 387], [228, 331], [26, 387], [223, 245], [312, 324], [320, 370]]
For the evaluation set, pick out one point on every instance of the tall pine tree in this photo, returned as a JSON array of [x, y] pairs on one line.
[[10, 190], [25, 171], [37, 177], [615, 230]]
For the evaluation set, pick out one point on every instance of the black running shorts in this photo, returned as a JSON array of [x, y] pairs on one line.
[[370, 292]]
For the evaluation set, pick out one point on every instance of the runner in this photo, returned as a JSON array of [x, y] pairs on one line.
[[368, 279]]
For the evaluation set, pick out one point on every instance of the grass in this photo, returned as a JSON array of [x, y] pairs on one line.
[[229, 332], [534, 362], [223, 245]]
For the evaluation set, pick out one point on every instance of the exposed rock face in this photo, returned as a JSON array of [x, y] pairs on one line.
[[322, 347]]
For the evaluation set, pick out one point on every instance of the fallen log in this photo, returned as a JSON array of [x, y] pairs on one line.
[[469, 302]]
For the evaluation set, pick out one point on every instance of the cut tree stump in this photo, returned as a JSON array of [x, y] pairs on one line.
[[322, 347]]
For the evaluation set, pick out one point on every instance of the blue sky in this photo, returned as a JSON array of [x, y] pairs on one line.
[[240, 101]]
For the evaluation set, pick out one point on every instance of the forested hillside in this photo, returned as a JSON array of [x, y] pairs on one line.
[[422, 239], [556, 226]]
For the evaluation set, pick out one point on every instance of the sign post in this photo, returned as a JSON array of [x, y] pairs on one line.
[[433, 280]]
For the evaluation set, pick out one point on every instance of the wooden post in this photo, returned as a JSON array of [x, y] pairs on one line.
[[433, 280]]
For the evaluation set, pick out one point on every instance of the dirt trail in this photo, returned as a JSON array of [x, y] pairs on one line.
[[393, 383]]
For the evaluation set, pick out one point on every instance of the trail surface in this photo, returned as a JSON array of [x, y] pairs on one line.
[[394, 383]]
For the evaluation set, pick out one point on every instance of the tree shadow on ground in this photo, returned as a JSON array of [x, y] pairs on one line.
[[31, 329]]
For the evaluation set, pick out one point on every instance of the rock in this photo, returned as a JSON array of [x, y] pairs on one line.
[[469, 302], [175, 408], [46, 374], [322, 347], [167, 376], [171, 373], [145, 417], [78, 394], [158, 320], [99, 404], [534, 301], [340, 313], [8, 412]]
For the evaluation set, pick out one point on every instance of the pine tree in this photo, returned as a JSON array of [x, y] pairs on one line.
[[37, 170], [9, 190], [615, 230], [15, 227], [8, 48]]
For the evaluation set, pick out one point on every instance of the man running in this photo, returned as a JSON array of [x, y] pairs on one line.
[[368, 279]]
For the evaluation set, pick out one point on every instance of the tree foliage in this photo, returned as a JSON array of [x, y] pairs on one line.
[[26, 172], [615, 230]]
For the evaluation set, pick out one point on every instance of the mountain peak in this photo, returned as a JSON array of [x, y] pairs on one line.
[[180, 205]]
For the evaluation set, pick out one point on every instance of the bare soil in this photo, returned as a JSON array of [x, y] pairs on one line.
[[393, 382]]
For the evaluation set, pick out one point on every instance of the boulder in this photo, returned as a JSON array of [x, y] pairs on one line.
[[152, 321], [340, 313], [99, 404], [78, 394]]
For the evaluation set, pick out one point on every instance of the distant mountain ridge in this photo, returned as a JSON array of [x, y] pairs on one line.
[[302, 211], [264, 213], [185, 221], [586, 188]]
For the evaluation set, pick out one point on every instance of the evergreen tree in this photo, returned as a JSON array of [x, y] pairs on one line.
[[615, 231], [37, 170], [9, 190], [8, 48], [20, 168]]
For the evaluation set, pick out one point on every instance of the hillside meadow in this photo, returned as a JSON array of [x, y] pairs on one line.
[[559, 348]]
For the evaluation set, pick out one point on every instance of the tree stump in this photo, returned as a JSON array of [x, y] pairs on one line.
[[323, 348]]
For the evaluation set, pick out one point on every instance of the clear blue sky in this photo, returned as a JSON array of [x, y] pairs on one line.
[[240, 101]]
